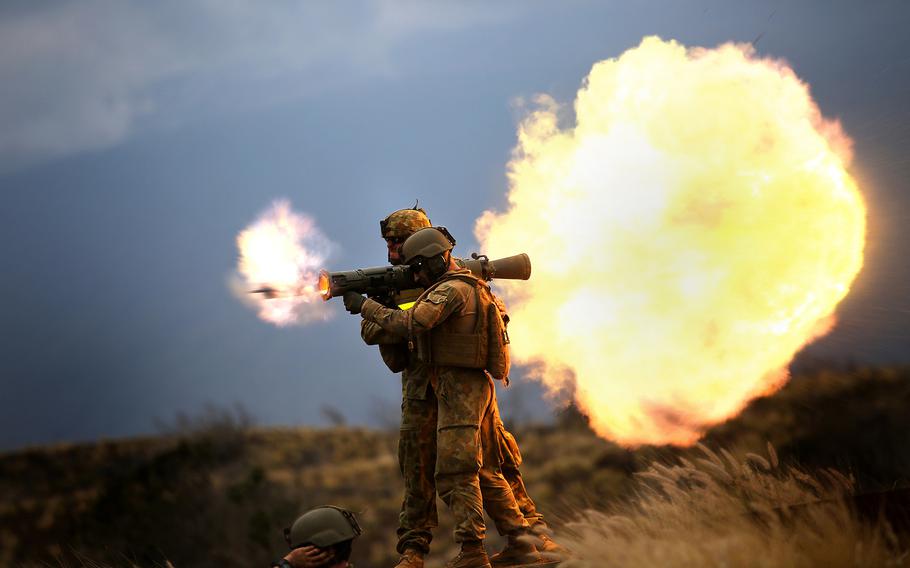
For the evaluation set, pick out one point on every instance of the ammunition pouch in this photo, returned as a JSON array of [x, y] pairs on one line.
[[499, 360], [458, 350], [510, 455], [395, 356]]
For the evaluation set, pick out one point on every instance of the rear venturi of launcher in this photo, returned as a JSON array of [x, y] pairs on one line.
[[385, 280]]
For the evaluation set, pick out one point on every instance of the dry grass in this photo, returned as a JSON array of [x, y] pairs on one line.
[[723, 511], [214, 492]]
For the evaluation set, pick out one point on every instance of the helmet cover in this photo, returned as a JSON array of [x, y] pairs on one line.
[[403, 223]]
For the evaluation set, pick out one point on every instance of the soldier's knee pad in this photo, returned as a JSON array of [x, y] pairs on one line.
[[458, 450]]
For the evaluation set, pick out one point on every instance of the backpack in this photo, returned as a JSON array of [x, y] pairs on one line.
[[499, 360]]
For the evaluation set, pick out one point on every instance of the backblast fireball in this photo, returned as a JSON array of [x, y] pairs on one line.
[[692, 230]]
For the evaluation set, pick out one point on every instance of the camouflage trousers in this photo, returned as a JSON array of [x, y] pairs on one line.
[[417, 461], [472, 444], [509, 460]]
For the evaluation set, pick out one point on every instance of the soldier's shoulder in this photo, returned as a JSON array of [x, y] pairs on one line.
[[450, 289], [440, 293], [456, 283]]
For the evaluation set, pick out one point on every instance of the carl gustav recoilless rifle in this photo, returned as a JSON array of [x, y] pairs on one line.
[[384, 282]]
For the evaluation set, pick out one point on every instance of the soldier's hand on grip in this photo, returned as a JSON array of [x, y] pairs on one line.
[[353, 302]]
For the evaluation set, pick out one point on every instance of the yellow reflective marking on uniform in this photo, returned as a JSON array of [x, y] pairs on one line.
[[407, 305]]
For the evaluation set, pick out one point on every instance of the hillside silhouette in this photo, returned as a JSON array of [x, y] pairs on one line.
[[216, 491]]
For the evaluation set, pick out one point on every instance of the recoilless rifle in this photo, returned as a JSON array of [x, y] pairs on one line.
[[386, 282]]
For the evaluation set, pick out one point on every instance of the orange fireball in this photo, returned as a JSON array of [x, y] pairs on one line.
[[691, 231]]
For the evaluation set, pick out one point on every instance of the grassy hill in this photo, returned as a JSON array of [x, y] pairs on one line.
[[218, 492]]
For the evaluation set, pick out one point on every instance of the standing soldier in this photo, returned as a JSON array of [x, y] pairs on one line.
[[417, 438], [464, 414]]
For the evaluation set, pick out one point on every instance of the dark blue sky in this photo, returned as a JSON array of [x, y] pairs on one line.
[[137, 139]]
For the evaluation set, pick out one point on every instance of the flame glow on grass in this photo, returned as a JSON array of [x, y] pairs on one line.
[[692, 231]]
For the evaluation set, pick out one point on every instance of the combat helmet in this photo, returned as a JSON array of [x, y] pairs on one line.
[[323, 527], [403, 223], [427, 243]]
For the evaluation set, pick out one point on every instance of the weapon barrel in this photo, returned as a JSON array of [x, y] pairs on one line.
[[371, 281]]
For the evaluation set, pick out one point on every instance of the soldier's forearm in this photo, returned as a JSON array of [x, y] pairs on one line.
[[372, 334], [392, 321], [425, 315]]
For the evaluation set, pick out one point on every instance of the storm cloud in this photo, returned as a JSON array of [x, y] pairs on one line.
[[86, 75]]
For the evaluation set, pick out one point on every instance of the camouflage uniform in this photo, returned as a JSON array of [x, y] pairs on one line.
[[416, 440], [468, 453], [417, 437], [509, 460]]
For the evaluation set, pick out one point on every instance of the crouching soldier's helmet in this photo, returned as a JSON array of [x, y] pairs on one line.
[[323, 527]]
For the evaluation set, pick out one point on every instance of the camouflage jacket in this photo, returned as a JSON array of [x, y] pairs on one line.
[[452, 301], [397, 357]]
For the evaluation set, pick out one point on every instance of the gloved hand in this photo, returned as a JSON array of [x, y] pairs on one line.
[[353, 302]]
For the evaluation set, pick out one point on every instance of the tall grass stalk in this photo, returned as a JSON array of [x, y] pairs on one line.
[[726, 512]]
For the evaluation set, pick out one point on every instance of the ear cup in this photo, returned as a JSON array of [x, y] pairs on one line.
[[436, 266]]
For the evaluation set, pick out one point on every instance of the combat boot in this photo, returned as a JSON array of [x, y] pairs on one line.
[[472, 555], [410, 559], [519, 551], [550, 549]]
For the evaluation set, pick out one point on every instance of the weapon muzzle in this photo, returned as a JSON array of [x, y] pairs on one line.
[[370, 281], [325, 284]]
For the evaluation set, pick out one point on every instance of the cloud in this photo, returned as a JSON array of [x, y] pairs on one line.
[[86, 75]]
